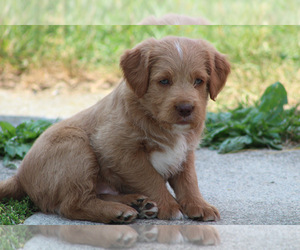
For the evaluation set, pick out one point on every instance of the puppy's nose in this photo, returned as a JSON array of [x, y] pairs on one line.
[[184, 109]]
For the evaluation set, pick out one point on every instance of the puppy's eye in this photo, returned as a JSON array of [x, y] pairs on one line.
[[198, 81], [164, 82]]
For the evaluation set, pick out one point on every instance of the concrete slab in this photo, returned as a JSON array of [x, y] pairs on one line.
[[254, 187]]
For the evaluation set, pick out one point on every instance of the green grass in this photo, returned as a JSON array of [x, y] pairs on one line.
[[259, 55], [132, 12], [15, 212]]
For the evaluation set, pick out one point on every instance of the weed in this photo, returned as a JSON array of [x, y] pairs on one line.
[[266, 124], [16, 142]]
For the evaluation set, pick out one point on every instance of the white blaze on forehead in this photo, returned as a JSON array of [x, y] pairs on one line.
[[177, 45]]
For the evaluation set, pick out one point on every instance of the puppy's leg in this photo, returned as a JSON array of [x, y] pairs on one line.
[[98, 211], [187, 192], [147, 209], [146, 180], [60, 175]]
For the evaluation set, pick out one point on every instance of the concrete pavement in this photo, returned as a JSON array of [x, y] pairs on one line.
[[257, 193], [259, 187]]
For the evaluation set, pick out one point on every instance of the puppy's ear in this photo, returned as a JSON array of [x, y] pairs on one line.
[[135, 67], [220, 68]]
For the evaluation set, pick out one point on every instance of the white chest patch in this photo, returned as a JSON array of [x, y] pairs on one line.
[[169, 161]]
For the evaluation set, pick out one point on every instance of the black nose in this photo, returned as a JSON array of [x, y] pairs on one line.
[[184, 109]]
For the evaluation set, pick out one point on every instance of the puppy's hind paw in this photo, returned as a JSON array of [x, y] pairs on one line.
[[170, 212], [148, 211], [202, 211], [125, 217], [145, 208]]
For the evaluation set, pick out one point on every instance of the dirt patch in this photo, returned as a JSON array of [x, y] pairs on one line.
[[50, 92]]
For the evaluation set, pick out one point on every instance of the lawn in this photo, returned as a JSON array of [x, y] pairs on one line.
[[259, 55], [132, 12]]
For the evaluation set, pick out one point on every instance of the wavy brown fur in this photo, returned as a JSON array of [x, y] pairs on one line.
[[132, 141]]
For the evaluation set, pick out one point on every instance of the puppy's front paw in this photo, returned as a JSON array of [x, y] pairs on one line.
[[200, 211], [170, 212], [149, 210], [123, 214], [146, 208], [125, 217]]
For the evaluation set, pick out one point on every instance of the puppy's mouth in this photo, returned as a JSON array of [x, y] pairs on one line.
[[184, 121], [178, 121]]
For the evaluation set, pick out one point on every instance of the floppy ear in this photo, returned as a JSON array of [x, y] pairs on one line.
[[220, 68], [135, 67]]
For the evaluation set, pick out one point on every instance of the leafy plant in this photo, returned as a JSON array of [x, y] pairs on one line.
[[266, 124], [15, 142]]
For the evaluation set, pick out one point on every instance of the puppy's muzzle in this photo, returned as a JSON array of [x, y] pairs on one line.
[[184, 109]]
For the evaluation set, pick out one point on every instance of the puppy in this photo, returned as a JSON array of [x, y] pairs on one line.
[[111, 162], [174, 19]]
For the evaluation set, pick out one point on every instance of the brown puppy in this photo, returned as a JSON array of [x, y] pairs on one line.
[[103, 163]]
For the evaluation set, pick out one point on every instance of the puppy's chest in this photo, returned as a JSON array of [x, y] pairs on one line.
[[168, 161]]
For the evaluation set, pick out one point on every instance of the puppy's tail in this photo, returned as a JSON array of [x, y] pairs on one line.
[[11, 188]]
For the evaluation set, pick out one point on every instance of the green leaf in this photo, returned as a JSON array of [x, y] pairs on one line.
[[10, 149], [8, 129], [16, 142], [234, 144], [218, 132], [30, 130], [272, 102], [274, 97], [22, 149]]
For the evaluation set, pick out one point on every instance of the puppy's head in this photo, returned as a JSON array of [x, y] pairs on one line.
[[173, 77]]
